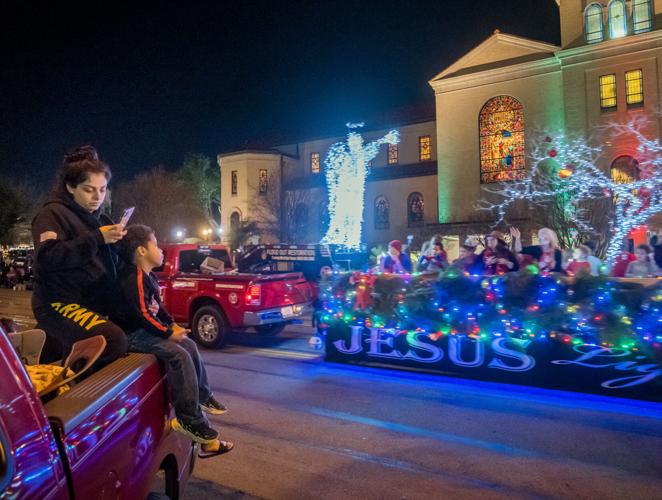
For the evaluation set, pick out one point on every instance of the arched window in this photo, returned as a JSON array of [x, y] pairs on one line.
[[642, 16], [235, 220], [382, 213], [617, 19], [501, 125], [593, 23], [415, 210], [625, 169]]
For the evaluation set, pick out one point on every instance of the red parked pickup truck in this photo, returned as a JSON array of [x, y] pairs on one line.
[[107, 437], [200, 287]]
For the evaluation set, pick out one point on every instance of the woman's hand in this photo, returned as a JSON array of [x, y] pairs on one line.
[[112, 234]]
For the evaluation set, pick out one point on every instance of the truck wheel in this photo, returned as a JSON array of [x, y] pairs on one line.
[[209, 327], [271, 329]]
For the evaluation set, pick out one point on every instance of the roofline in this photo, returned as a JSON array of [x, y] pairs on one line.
[[255, 152], [394, 124], [543, 46]]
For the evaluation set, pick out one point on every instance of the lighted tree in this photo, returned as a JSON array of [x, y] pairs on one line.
[[565, 184], [346, 172]]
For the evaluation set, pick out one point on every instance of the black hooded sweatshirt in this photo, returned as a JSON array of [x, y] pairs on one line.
[[72, 262]]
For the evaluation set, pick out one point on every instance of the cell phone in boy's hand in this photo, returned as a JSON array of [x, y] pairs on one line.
[[126, 216]]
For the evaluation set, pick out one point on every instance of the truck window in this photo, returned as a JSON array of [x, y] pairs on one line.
[[190, 260]]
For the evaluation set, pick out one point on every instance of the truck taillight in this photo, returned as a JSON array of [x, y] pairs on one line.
[[253, 295]]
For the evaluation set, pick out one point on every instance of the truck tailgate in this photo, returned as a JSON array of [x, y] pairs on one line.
[[284, 289]]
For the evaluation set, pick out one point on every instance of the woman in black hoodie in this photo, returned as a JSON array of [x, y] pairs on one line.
[[75, 263]]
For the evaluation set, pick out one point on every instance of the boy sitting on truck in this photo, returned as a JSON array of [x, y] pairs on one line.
[[150, 329]]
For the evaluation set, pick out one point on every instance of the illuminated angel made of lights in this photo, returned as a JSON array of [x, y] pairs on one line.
[[347, 166]]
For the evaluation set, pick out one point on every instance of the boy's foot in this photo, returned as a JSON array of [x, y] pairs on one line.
[[215, 449], [213, 407], [200, 433]]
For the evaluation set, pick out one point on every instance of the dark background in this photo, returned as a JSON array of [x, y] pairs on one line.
[[148, 83]]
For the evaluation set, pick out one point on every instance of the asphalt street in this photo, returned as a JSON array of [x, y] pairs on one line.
[[305, 428]]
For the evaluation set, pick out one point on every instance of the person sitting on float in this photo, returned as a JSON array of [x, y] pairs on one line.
[[643, 266], [579, 264], [433, 258], [466, 263], [496, 258], [551, 257], [396, 261], [622, 261]]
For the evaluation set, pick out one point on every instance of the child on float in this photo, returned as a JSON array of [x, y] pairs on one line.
[[496, 258], [466, 262], [579, 264], [433, 257], [643, 266], [150, 329], [622, 261], [396, 262]]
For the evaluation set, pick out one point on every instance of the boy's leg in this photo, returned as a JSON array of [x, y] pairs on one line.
[[180, 372], [204, 391]]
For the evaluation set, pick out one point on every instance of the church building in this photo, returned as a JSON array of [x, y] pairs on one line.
[[490, 106]]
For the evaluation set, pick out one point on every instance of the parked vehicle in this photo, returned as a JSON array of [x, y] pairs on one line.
[[107, 437], [201, 287]]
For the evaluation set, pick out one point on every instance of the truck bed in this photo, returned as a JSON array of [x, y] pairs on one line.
[[85, 399]]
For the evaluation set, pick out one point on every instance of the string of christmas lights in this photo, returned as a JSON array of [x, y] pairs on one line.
[[527, 306], [564, 170]]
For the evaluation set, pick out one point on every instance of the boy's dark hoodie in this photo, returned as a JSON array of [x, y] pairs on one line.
[[72, 261], [140, 289]]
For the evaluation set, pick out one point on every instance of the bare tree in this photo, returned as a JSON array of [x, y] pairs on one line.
[[573, 196], [204, 179], [162, 200]]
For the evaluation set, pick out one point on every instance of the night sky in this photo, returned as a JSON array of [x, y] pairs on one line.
[[147, 84]]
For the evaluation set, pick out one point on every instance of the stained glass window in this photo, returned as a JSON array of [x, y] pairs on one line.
[[382, 215], [643, 18], [617, 19], [234, 182], [608, 92], [501, 125], [392, 154], [424, 148], [634, 87], [415, 210], [593, 23], [315, 163], [264, 182]]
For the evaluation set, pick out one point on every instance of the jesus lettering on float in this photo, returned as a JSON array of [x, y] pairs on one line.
[[381, 346], [507, 354]]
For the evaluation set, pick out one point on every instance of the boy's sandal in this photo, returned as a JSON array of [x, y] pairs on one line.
[[223, 447]]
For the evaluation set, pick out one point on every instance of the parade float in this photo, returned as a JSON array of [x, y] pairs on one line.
[[589, 333]]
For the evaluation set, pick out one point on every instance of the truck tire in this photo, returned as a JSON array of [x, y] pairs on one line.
[[209, 328], [271, 329]]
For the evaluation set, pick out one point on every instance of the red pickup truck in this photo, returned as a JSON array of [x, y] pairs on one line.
[[201, 287], [107, 437]]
